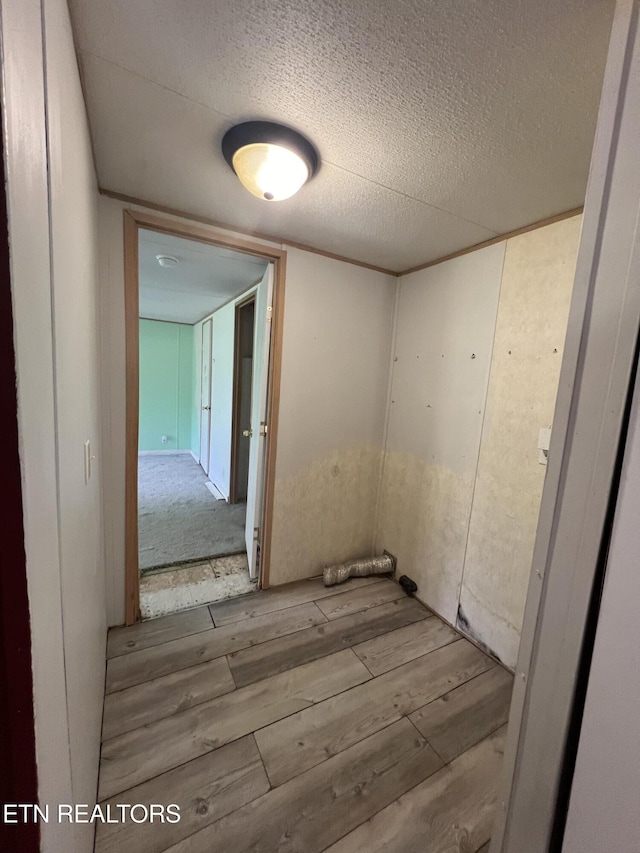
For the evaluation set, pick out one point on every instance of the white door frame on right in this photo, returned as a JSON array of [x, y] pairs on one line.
[[258, 428], [593, 390]]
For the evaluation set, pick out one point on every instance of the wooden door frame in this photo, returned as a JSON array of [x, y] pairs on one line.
[[134, 220], [208, 320], [235, 410]]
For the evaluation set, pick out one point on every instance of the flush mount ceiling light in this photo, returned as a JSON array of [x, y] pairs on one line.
[[271, 161], [167, 260]]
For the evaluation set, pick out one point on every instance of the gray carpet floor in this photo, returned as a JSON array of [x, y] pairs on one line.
[[178, 517]]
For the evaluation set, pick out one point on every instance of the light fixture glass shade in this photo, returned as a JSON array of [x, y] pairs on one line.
[[270, 171]]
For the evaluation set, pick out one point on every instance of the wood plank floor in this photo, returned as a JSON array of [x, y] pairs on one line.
[[304, 719]]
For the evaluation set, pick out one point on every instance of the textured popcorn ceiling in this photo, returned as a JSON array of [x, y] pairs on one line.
[[439, 124]]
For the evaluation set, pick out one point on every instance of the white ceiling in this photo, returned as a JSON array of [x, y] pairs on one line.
[[439, 124], [206, 277]]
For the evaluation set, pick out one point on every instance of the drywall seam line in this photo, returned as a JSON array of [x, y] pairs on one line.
[[387, 416], [484, 417], [323, 160], [45, 80], [84, 52], [85, 98], [271, 240], [275, 241], [412, 198]]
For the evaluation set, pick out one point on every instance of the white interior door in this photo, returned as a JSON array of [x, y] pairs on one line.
[[261, 342], [205, 396]]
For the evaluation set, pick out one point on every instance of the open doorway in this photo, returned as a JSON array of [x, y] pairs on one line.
[[203, 358], [243, 367]]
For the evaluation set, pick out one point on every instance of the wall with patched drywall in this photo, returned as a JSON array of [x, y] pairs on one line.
[[479, 343], [444, 337], [529, 339]]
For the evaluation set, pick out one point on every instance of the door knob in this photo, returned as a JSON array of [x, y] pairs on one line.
[[248, 433]]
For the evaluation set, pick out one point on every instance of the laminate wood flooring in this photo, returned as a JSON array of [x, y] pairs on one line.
[[303, 719]]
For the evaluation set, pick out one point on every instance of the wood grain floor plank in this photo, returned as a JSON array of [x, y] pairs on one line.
[[293, 650], [466, 715], [146, 664], [360, 599], [130, 759], [206, 789], [310, 736], [311, 812], [453, 810], [153, 700], [280, 597], [394, 648], [122, 641]]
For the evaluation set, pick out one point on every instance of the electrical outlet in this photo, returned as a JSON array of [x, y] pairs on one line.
[[164, 439]]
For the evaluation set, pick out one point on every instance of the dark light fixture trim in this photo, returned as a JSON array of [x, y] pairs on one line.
[[250, 132], [271, 161]]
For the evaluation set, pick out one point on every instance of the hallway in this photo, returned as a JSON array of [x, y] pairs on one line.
[[179, 519], [306, 718]]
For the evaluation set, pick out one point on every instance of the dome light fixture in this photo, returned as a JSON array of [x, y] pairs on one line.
[[272, 161], [167, 260]]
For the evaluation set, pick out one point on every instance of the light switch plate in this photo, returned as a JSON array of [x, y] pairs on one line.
[[87, 461]]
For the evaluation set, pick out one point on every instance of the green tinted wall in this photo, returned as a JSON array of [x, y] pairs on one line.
[[166, 385]]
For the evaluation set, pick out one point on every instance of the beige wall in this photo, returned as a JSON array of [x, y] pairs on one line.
[[338, 321], [462, 482], [529, 338], [336, 350], [52, 197], [444, 335]]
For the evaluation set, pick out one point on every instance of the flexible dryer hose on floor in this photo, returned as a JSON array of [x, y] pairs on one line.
[[383, 565]]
